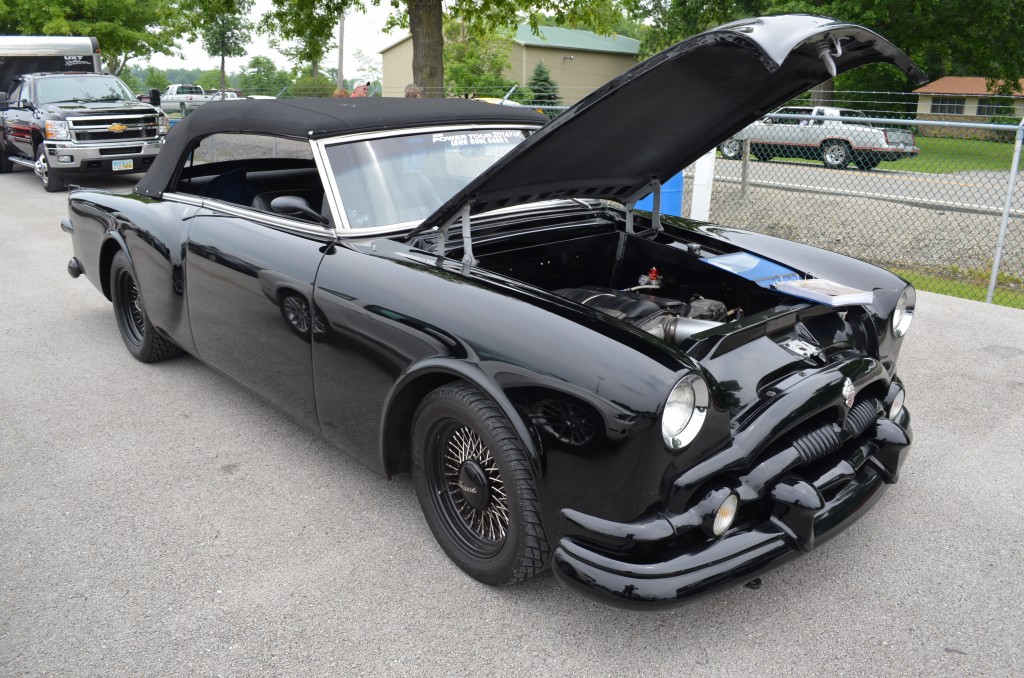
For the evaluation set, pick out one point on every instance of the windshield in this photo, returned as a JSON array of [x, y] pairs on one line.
[[82, 88], [402, 179]]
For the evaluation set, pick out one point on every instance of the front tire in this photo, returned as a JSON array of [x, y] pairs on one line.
[[835, 154], [475, 487], [139, 335], [53, 183], [5, 162]]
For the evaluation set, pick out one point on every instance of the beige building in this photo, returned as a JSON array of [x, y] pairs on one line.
[[579, 61], [964, 99]]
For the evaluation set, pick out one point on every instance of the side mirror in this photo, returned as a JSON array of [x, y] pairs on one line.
[[4, 104], [154, 97], [296, 206]]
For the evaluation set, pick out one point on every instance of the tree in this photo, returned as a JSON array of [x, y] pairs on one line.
[[210, 80], [226, 33], [126, 29], [309, 23], [545, 91], [261, 76], [474, 65], [156, 79], [313, 86]]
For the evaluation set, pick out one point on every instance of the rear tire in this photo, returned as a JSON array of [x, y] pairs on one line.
[[475, 486], [139, 335], [731, 149]]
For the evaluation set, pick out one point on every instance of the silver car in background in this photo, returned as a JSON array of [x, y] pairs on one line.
[[824, 134]]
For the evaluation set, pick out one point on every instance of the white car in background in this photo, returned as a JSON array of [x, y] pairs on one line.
[[823, 135]]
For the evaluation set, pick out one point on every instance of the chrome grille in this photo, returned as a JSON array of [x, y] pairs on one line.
[[97, 128]]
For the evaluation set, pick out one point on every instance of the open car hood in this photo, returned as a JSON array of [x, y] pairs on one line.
[[664, 113]]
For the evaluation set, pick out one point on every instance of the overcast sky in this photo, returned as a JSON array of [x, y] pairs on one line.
[[362, 32]]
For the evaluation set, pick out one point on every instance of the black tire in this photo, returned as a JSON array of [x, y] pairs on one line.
[[183, 109], [475, 487], [139, 335], [53, 183], [5, 162], [866, 164], [731, 149], [835, 154]]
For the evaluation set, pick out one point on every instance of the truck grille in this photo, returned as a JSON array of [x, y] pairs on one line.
[[98, 128]]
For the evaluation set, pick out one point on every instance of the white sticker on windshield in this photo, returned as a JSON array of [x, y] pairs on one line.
[[489, 138]]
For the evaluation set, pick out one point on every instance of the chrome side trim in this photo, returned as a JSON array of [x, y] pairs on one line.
[[184, 199], [321, 233]]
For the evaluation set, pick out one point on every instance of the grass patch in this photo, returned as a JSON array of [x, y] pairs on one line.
[[943, 156], [966, 285]]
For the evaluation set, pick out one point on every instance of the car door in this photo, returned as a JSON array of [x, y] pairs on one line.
[[18, 120], [249, 277]]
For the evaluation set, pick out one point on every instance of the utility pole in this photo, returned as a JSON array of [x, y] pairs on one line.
[[341, 50]]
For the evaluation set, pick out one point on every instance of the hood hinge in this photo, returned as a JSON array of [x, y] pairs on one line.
[[653, 186]]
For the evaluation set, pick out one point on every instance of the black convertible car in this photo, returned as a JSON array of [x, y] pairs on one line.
[[651, 405]]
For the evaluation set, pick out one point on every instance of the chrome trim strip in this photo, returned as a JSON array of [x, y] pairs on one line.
[[184, 199], [321, 233]]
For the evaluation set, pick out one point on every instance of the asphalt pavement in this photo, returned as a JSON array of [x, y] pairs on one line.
[[162, 520]]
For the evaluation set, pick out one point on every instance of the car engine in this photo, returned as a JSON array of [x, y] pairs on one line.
[[671, 320]]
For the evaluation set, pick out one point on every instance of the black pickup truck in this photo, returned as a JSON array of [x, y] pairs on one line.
[[63, 125]]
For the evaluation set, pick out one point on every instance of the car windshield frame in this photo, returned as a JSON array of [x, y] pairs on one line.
[[69, 86], [389, 182]]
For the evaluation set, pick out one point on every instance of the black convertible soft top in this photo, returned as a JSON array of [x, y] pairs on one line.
[[318, 118]]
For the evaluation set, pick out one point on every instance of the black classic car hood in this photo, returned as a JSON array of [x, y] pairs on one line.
[[661, 115]]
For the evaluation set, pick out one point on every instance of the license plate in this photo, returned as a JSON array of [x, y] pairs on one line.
[[121, 165]]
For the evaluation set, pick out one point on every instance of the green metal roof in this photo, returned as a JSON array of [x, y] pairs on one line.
[[568, 38]]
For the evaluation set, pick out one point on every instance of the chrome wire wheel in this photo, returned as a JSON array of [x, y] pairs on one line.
[[474, 484]]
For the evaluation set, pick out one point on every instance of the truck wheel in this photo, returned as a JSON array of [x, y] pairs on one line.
[[183, 108], [731, 149], [5, 163], [835, 154], [53, 183]]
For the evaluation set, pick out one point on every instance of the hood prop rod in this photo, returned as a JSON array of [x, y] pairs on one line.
[[653, 186], [467, 239]]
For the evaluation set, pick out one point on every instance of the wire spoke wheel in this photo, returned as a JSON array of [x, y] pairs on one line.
[[132, 315], [296, 312], [482, 510], [140, 337], [475, 486]]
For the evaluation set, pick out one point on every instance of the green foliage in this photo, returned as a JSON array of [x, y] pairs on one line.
[[209, 80], [134, 82], [545, 91], [475, 65], [261, 76], [313, 86], [156, 79], [310, 24], [126, 29]]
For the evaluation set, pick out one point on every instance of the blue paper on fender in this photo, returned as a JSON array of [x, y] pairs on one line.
[[752, 267]]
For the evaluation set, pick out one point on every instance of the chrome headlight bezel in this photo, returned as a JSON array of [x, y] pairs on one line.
[[685, 411], [903, 314], [58, 130]]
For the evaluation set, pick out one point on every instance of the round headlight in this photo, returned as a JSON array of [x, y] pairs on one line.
[[685, 410], [904, 312], [725, 515]]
